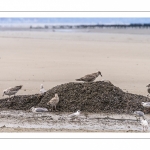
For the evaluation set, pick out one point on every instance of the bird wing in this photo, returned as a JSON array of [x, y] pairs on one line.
[[54, 100], [88, 77], [72, 115], [39, 109], [42, 90], [94, 74], [16, 88], [147, 103]]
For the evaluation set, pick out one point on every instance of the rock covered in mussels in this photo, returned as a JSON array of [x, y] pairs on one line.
[[20, 102], [96, 97]]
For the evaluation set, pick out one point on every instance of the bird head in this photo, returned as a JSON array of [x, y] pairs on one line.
[[99, 73], [41, 86], [56, 95], [134, 113], [4, 92], [32, 108], [78, 111]]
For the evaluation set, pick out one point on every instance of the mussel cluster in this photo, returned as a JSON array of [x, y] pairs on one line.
[[93, 97]]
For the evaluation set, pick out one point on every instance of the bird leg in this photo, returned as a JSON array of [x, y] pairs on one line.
[[139, 118], [79, 120], [34, 117], [55, 108], [52, 108]]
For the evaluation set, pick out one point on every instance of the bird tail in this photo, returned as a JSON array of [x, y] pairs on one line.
[[20, 86], [78, 79]]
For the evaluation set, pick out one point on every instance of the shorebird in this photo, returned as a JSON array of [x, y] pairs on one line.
[[148, 90], [146, 104], [90, 77], [144, 123], [39, 109], [12, 91], [42, 90], [54, 101], [139, 114], [75, 115]]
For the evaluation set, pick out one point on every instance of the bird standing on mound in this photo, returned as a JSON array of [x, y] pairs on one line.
[[148, 90], [42, 90], [90, 77], [12, 91], [54, 101]]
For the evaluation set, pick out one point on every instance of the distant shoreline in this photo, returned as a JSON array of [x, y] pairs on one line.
[[74, 26], [107, 30]]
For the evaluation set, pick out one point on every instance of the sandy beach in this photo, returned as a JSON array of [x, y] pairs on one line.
[[30, 58]]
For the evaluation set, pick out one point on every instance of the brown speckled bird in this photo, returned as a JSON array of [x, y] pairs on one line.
[[90, 77], [12, 91], [54, 101]]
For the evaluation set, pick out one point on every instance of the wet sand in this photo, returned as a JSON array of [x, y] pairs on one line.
[[21, 121]]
